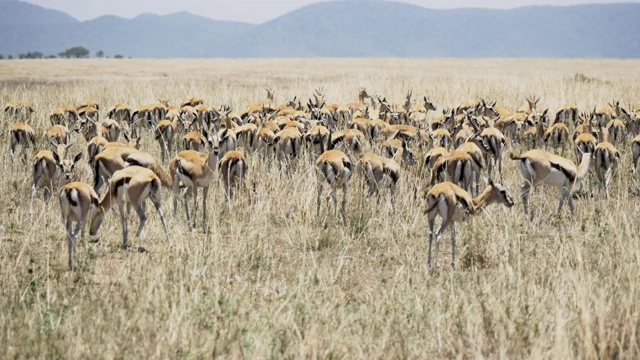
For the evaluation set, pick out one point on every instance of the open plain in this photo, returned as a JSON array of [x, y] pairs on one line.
[[271, 280]]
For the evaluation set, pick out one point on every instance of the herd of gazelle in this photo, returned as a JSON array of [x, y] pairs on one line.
[[459, 144]]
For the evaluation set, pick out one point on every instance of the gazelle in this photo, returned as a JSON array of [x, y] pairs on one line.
[[607, 159], [98, 143], [539, 167], [78, 202], [557, 135], [334, 167], [110, 129], [288, 145], [433, 155], [22, 134], [635, 151], [317, 139], [58, 134], [115, 158], [53, 168], [441, 137], [233, 169], [476, 154], [377, 169], [18, 110], [393, 146], [165, 133], [532, 103], [616, 130], [131, 185], [457, 167], [57, 117], [194, 170], [194, 140], [494, 143], [444, 199], [121, 112]]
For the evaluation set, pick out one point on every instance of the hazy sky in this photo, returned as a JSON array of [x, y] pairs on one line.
[[253, 11]]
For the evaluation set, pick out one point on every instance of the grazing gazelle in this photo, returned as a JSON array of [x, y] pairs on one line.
[[194, 169], [334, 167], [53, 168], [542, 167], [115, 158], [78, 202], [131, 185], [443, 199]]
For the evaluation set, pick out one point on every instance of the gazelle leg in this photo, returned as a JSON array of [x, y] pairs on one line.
[[344, 203], [431, 225], [205, 191], [195, 204], [34, 187], [526, 188], [186, 207], [443, 227], [319, 197], [123, 219], [76, 231], [175, 195], [453, 246], [607, 180], [392, 189], [70, 243], [143, 218], [164, 223]]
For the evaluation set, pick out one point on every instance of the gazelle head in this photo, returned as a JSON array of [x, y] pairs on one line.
[[407, 101], [428, 104], [533, 102], [408, 157], [293, 103], [318, 95], [498, 194], [271, 94], [212, 140], [362, 94], [632, 115], [539, 119], [132, 141], [66, 166], [487, 109]]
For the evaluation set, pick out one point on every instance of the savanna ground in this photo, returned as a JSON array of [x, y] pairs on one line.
[[269, 280]]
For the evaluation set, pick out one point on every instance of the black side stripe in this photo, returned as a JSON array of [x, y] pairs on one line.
[[566, 173]]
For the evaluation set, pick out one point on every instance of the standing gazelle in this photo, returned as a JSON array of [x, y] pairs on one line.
[[78, 202], [233, 169], [542, 167], [53, 168], [194, 170], [131, 185], [443, 199], [334, 167]]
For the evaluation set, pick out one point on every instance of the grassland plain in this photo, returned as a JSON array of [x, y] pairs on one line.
[[269, 280]]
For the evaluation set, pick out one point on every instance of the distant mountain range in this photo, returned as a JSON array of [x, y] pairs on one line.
[[336, 29]]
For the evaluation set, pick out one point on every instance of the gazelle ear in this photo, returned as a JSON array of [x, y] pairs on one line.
[[77, 157]]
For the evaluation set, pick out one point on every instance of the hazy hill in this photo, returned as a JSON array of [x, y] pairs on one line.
[[337, 28]]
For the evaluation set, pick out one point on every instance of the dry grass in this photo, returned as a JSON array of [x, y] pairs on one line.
[[270, 280]]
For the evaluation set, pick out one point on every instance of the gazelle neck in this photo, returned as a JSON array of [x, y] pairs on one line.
[[482, 200]]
